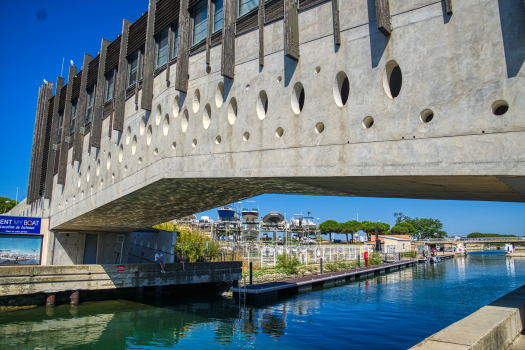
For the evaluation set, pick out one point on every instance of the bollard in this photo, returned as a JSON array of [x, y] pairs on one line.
[[321, 267], [75, 298], [251, 273], [50, 299], [358, 261], [399, 257]]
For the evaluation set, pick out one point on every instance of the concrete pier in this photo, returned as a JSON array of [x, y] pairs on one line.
[[495, 327], [39, 285]]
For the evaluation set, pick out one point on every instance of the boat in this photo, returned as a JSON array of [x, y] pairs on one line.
[[250, 212], [227, 213], [273, 217], [249, 235], [435, 259]]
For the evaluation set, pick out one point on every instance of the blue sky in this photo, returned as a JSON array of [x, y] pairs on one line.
[[38, 35]]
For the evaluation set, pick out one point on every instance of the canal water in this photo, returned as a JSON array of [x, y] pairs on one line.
[[392, 311]]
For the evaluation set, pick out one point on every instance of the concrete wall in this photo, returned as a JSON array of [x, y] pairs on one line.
[[68, 248], [450, 64], [147, 243]]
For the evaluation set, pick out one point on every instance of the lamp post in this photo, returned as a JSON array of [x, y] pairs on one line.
[[308, 225]]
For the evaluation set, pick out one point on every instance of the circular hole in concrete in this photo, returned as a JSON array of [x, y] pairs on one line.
[[87, 174], [176, 106], [140, 160], [149, 135], [208, 69], [128, 135], [108, 161], [196, 100], [158, 115], [120, 153], [156, 151], [219, 95], [79, 179], [500, 107], [174, 145], [368, 122], [427, 115], [134, 145], [232, 111], [194, 143], [206, 116], [142, 126], [218, 140], [298, 98], [97, 171], [125, 168], [392, 79], [279, 78], [341, 89], [246, 136], [166, 125], [279, 132], [113, 176], [317, 69], [185, 121], [319, 128], [262, 105]]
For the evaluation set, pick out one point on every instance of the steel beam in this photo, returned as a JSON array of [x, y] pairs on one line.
[[120, 87], [384, 23], [96, 126], [291, 29], [448, 7], [64, 142], [181, 77], [81, 111], [261, 32], [228, 39], [53, 141], [337, 23], [149, 58]]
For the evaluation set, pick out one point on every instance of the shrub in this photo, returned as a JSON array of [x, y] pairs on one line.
[[375, 259], [288, 264]]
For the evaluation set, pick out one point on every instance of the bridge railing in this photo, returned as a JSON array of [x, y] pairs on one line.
[[484, 239]]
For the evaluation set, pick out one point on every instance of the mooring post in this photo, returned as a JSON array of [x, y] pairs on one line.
[[75, 297], [358, 260], [50, 299], [251, 273], [321, 266]]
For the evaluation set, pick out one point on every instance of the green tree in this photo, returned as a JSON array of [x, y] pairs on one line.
[[403, 228], [429, 228], [330, 226], [5, 208], [350, 227], [370, 227], [481, 235], [400, 217]]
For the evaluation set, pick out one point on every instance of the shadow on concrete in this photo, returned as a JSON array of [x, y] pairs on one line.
[[512, 20], [378, 41], [227, 87], [182, 98], [446, 17], [289, 69]]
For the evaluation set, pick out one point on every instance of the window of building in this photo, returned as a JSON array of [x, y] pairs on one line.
[[60, 122], [200, 17], [162, 47], [246, 6], [133, 62], [73, 116], [110, 84], [175, 39], [217, 17], [90, 104]]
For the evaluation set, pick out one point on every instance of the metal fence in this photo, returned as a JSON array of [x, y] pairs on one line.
[[266, 255]]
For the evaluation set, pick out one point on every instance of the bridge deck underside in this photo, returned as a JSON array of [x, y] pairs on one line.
[[169, 199]]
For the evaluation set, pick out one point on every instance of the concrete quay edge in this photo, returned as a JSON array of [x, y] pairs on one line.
[[493, 327]]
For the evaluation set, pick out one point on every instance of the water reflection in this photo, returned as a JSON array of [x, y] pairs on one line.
[[426, 298]]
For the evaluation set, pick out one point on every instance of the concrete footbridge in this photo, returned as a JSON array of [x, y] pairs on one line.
[[385, 98], [487, 240]]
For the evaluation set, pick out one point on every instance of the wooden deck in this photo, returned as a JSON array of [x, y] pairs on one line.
[[267, 292]]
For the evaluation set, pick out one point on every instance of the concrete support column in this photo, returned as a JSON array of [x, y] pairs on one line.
[[50, 299], [139, 293], [75, 298]]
